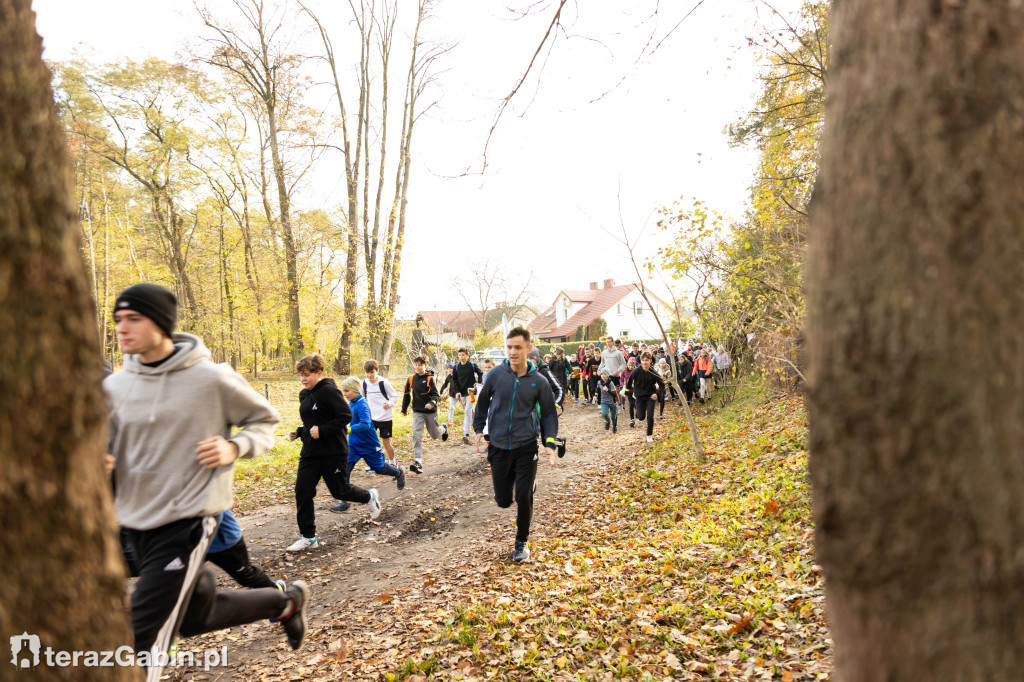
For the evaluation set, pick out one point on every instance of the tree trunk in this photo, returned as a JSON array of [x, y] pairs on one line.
[[59, 542], [342, 363], [916, 310], [290, 258]]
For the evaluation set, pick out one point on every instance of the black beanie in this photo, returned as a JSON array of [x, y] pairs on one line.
[[152, 300]]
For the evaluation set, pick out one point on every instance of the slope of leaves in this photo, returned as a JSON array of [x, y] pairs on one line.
[[661, 568]]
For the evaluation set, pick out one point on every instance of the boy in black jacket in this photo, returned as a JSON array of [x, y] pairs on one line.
[[560, 370], [421, 392], [324, 433], [647, 387], [517, 405], [464, 378]]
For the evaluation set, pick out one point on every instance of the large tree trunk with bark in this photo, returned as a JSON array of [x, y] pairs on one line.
[[65, 576], [916, 329]]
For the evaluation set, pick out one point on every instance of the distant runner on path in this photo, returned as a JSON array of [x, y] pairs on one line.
[[516, 403], [421, 393]]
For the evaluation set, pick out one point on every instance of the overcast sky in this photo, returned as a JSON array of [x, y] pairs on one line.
[[560, 163]]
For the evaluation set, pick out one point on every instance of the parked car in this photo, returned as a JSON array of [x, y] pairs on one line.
[[496, 353]]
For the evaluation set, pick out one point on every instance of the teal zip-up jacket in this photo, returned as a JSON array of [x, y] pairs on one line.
[[516, 409]]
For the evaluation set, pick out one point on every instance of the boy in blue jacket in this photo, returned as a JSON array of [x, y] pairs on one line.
[[516, 404], [362, 436]]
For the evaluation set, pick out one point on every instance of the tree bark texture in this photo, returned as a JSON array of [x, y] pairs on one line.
[[916, 328], [62, 563]]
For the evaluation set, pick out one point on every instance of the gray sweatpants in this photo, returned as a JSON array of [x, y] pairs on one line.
[[467, 419], [420, 420]]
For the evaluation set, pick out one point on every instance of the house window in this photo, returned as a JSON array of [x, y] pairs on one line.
[[618, 309], [624, 334], [638, 307]]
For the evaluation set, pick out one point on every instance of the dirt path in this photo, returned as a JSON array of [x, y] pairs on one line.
[[444, 523]]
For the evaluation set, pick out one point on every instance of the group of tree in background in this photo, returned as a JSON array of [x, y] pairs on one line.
[[190, 172], [746, 276]]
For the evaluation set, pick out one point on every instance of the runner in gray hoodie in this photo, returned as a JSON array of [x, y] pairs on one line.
[[613, 360], [172, 453]]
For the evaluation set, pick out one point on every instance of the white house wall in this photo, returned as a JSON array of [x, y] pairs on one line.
[[622, 319]]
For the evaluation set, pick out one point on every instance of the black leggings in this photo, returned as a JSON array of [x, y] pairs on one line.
[[333, 471], [235, 562], [645, 410], [513, 472]]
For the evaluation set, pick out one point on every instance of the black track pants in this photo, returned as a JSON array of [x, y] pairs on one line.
[[174, 594], [645, 410], [334, 472], [514, 472]]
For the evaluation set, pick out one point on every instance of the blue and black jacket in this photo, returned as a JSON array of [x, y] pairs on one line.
[[362, 436], [516, 409]]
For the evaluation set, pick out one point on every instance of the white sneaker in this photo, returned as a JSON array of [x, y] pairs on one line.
[[374, 504], [650, 439], [303, 543]]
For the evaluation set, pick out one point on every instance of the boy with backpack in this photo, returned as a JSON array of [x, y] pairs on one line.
[[609, 393], [421, 393], [380, 396], [464, 378]]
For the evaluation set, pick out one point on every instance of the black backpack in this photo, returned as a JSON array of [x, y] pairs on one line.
[[383, 391]]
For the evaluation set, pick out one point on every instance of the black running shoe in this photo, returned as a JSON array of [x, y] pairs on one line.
[[521, 552], [295, 625], [401, 478], [416, 468], [444, 432]]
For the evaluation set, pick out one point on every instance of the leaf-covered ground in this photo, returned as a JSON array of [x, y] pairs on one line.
[[658, 567]]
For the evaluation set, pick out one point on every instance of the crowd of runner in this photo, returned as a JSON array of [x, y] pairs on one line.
[[179, 421]]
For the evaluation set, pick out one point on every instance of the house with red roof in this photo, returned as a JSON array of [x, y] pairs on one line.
[[460, 326], [622, 307]]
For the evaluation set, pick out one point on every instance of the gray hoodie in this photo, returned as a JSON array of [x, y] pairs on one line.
[[612, 361], [159, 414]]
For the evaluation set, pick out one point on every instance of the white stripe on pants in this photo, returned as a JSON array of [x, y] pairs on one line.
[[165, 637]]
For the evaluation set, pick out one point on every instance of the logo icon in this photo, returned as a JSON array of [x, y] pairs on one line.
[[25, 651], [175, 565]]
